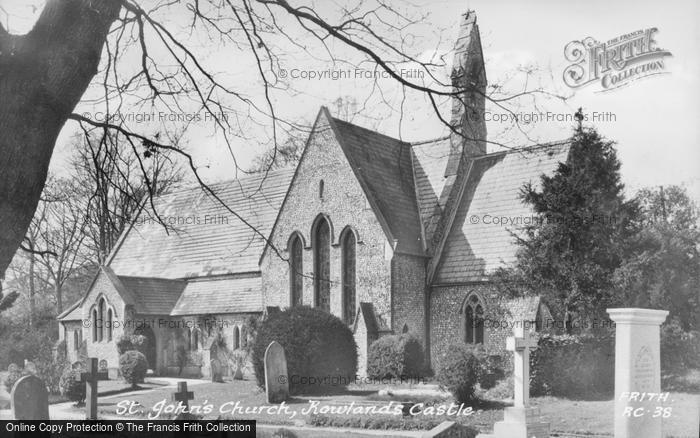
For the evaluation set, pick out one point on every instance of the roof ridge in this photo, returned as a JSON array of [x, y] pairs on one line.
[[246, 177], [140, 277], [371, 130]]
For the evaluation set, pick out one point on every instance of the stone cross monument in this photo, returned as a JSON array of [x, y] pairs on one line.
[[521, 420], [91, 378], [639, 403], [520, 344]]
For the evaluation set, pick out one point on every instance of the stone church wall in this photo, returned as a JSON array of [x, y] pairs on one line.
[[408, 300], [342, 200], [447, 323], [105, 349]]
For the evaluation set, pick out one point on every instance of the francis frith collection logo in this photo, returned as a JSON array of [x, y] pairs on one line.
[[615, 63]]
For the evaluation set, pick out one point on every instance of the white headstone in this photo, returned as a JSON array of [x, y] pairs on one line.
[[637, 372], [276, 379]]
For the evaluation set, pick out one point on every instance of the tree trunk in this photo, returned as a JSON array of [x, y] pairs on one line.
[[43, 76], [58, 292], [32, 289]]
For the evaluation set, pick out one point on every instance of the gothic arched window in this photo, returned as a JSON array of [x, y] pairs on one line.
[[76, 340], [195, 340], [109, 324], [94, 325], [244, 337], [236, 337], [101, 319], [296, 270], [349, 267], [473, 320], [322, 264]]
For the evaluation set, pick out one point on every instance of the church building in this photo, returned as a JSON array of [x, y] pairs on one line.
[[390, 236]]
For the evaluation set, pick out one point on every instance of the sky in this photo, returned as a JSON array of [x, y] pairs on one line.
[[652, 120]]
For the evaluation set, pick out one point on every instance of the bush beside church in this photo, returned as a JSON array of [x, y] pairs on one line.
[[320, 349]]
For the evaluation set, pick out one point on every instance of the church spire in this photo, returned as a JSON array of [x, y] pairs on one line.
[[469, 80]]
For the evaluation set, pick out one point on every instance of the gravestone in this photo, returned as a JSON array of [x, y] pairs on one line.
[[638, 372], [276, 379], [183, 396], [521, 420], [91, 378], [216, 371], [29, 399], [103, 366]]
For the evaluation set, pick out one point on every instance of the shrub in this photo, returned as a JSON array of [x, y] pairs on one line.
[[133, 367], [458, 371], [490, 367], [318, 346], [680, 350], [124, 344], [13, 375], [50, 366], [573, 366], [71, 386], [395, 356]]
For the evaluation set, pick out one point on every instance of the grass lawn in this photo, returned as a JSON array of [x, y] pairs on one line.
[[575, 416], [565, 416]]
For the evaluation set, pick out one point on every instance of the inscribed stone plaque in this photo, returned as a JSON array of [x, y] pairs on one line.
[[30, 400], [644, 371], [276, 383]]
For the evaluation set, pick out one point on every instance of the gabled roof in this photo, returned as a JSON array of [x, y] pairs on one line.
[[384, 170], [220, 295], [72, 313], [432, 187], [478, 241], [524, 308], [154, 296], [205, 238]]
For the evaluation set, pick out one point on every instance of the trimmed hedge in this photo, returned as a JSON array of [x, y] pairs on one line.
[[458, 371], [395, 356], [573, 366], [133, 366], [320, 349]]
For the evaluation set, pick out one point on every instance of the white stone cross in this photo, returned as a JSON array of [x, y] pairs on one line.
[[520, 344]]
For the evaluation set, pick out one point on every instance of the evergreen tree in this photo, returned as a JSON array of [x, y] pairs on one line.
[[570, 255], [664, 271]]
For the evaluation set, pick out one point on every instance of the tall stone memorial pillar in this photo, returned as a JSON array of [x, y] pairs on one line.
[[637, 372]]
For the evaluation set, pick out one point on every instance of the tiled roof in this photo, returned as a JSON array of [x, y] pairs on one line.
[[220, 295], [154, 296], [207, 239], [72, 313], [383, 167], [432, 188], [523, 308], [475, 244]]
